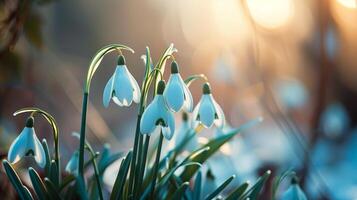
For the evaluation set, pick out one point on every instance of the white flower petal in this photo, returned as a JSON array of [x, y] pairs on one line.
[[206, 111], [39, 153], [135, 86], [174, 94], [219, 122], [108, 92], [188, 104], [169, 119], [27, 143], [149, 118], [72, 165], [116, 101], [122, 86], [18, 147]]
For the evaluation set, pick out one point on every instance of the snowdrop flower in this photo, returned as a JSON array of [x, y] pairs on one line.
[[121, 87], [157, 114], [27, 144], [72, 165], [294, 192], [177, 94], [207, 110]]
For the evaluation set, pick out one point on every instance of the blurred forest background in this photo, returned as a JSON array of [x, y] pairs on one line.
[[292, 62]]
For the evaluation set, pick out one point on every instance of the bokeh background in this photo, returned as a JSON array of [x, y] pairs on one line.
[[292, 62]]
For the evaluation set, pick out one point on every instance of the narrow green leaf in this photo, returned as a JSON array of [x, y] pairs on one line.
[[53, 176], [198, 186], [48, 158], [180, 192], [121, 177], [15, 180], [213, 146], [254, 191], [38, 185], [51, 189], [192, 78], [220, 188], [237, 193], [27, 193]]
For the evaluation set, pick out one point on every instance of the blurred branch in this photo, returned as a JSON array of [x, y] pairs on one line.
[[12, 25]]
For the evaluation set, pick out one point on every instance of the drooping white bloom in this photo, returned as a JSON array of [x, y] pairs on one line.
[[121, 87], [72, 165], [27, 144], [294, 192], [207, 112], [177, 94], [157, 114]]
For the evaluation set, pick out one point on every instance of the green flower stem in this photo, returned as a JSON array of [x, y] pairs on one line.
[[138, 166], [96, 172], [142, 166], [156, 166], [134, 158], [82, 135]]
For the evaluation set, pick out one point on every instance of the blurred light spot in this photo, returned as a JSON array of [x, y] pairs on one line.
[[331, 42], [271, 13], [348, 3], [291, 93], [334, 121], [202, 140], [226, 149]]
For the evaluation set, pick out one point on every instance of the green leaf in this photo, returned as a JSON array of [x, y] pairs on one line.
[[237, 193], [121, 177], [103, 164], [278, 180], [48, 158], [192, 78], [254, 191], [198, 186], [27, 193], [51, 189], [220, 188], [213, 146], [15, 180], [54, 174], [38, 185], [98, 58], [180, 192]]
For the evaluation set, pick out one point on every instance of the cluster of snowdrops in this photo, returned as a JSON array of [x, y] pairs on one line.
[[140, 175]]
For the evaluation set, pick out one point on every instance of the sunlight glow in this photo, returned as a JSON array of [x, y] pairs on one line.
[[271, 13], [348, 3]]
